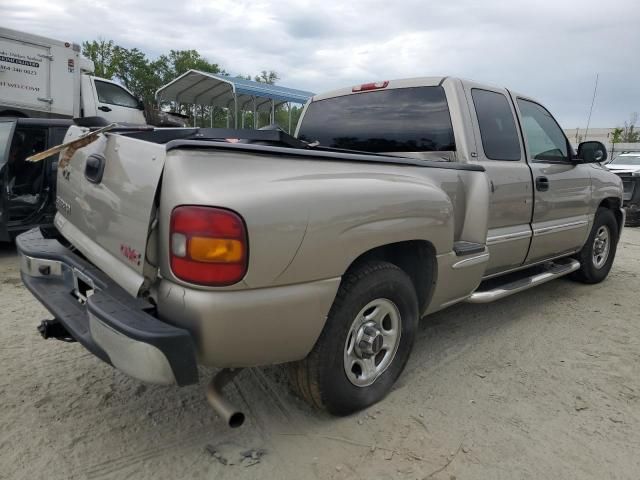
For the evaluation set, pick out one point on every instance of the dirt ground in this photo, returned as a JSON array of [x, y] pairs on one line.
[[545, 384]]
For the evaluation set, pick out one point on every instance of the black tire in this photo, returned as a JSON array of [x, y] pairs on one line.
[[589, 272], [320, 378]]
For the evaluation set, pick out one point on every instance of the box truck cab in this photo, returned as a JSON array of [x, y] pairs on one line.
[[47, 78]]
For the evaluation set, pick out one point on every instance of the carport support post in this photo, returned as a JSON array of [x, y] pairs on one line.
[[212, 110], [235, 115], [273, 112], [255, 115]]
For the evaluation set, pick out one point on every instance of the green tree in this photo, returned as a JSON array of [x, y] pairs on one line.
[[180, 61], [629, 132], [269, 77], [102, 53], [137, 73], [616, 135], [143, 76]]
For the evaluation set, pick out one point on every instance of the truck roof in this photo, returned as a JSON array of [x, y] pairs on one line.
[[399, 83], [431, 81]]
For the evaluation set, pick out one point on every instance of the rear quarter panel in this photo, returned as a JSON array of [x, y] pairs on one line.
[[307, 219]]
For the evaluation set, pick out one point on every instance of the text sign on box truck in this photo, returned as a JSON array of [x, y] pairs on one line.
[[43, 77], [24, 73], [39, 77]]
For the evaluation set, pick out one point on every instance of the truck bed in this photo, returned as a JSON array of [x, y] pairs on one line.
[[277, 142]]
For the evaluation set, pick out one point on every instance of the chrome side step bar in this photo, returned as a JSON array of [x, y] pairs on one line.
[[555, 270]]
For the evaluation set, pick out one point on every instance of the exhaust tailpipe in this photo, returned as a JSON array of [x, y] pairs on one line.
[[222, 406]]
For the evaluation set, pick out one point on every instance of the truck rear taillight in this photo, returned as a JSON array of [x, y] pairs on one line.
[[208, 245], [370, 86]]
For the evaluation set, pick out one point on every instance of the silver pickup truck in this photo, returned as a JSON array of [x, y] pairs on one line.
[[238, 248]]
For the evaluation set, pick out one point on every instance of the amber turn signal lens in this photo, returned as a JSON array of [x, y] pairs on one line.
[[220, 250], [209, 245]]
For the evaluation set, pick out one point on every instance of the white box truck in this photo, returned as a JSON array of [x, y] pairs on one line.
[[43, 77]]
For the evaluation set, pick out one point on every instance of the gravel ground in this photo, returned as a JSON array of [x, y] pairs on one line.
[[545, 384]]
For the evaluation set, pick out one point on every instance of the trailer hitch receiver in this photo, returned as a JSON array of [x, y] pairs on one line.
[[54, 329]]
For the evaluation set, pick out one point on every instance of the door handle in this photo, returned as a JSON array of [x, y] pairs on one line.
[[104, 109], [94, 168], [542, 184]]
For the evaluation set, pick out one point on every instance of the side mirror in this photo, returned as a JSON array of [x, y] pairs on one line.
[[140, 105], [592, 152]]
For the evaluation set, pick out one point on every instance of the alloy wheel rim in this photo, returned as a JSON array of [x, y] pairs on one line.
[[601, 247], [372, 342]]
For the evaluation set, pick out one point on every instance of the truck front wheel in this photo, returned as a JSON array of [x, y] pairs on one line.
[[596, 257], [365, 343]]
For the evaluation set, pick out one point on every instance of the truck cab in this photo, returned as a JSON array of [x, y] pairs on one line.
[[107, 99], [46, 78], [27, 190]]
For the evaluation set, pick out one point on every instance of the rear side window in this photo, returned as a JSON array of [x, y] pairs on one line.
[[497, 125], [115, 95], [396, 120]]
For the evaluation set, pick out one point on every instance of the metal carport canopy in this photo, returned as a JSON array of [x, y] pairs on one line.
[[202, 88]]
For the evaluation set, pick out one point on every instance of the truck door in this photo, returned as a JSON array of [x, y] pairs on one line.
[[562, 194], [26, 186], [116, 104], [501, 153], [7, 127]]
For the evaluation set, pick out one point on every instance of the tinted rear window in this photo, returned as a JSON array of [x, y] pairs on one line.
[[397, 120], [497, 126]]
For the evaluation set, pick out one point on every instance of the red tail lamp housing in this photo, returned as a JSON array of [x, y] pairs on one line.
[[208, 246]]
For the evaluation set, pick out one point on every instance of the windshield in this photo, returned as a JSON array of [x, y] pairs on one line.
[[396, 120], [626, 160]]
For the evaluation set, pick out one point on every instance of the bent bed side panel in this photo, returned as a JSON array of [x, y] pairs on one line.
[[106, 215]]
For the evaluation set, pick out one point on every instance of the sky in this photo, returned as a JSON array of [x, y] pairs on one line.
[[547, 49]]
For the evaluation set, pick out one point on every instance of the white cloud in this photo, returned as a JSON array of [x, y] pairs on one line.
[[548, 49]]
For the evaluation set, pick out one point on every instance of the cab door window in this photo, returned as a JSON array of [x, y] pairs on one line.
[[112, 94], [545, 138]]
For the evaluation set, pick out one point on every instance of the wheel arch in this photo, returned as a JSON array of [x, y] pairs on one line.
[[417, 258], [614, 204]]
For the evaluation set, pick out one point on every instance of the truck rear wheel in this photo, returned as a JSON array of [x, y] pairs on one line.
[[365, 343], [598, 253]]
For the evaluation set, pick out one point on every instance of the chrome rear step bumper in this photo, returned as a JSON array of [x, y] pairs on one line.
[[555, 270]]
